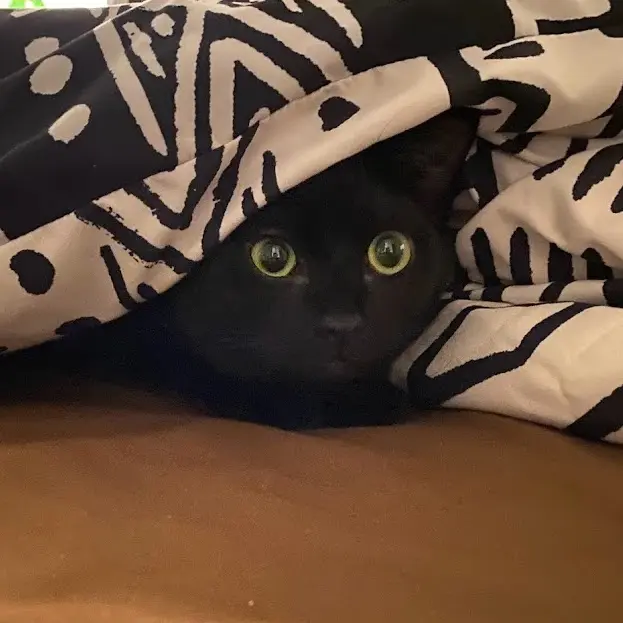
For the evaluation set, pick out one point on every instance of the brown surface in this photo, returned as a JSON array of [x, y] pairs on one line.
[[127, 509]]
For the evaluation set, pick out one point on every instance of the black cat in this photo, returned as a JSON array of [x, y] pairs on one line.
[[295, 318]]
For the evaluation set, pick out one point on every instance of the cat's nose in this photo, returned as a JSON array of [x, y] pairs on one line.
[[341, 323]]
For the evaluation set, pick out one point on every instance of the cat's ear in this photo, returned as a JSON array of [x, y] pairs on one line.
[[424, 163]]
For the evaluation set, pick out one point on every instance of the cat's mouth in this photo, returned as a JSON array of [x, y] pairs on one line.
[[341, 364]]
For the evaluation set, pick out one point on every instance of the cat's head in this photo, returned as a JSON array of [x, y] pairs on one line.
[[331, 281]]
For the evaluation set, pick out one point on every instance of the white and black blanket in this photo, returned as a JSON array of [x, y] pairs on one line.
[[134, 138]]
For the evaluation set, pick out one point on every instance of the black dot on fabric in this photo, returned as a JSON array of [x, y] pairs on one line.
[[522, 49], [34, 271], [335, 111], [78, 324], [146, 292]]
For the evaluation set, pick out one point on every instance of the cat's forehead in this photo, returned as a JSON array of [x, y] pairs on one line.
[[345, 200]]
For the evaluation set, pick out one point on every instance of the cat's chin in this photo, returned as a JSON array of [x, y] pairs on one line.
[[338, 373], [334, 377], [330, 372]]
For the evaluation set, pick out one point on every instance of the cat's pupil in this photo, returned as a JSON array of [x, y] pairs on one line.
[[274, 257], [389, 250]]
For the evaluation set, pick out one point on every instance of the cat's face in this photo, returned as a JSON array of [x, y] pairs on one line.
[[326, 285]]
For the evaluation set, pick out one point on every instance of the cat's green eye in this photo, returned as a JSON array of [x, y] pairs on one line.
[[273, 257], [389, 253]]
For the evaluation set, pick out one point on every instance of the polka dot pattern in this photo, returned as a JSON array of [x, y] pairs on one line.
[[336, 111], [163, 25], [34, 271], [71, 124], [51, 75], [38, 48]]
